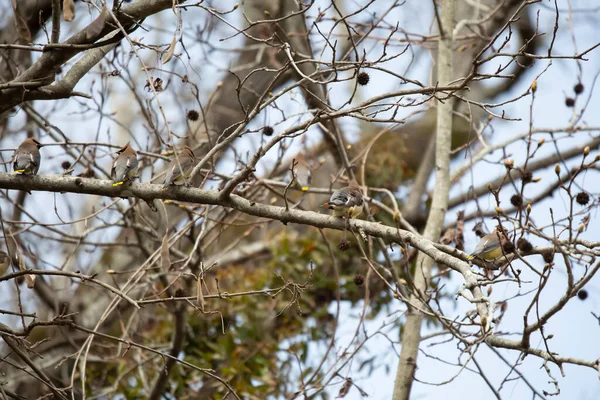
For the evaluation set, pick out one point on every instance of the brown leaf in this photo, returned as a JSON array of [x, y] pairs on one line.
[[199, 293], [170, 51], [345, 389], [29, 278], [21, 24], [93, 30], [68, 10], [448, 236], [164, 253]]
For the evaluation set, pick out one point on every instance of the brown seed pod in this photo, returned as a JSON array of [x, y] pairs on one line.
[[582, 198], [359, 280], [524, 245], [363, 78], [193, 115], [516, 200], [570, 102], [268, 130], [344, 245]]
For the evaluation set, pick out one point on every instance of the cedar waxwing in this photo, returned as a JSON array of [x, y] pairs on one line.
[[184, 162], [125, 166], [27, 159], [347, 202], [490, 246], [4, 262], [303, 173]]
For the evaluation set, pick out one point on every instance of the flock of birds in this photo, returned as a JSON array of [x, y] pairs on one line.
[[347, 202]]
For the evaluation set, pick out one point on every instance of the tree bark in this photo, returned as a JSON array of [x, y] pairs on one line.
[[412, 329]]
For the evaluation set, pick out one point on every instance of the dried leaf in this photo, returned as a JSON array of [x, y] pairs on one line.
[[30, 279], [93, 30], [448, 236], [459, 237], [345, 389], [170, 51], [199, 294], [68, 10], [164, 253], [21, 24]]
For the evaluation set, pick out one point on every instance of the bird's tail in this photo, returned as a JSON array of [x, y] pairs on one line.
[[19, 171]]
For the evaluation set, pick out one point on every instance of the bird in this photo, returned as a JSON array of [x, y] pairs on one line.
[[27, 158], [4, 262], [180, 167], [490, 246], [347, 202], [125, 166], [303, 172]]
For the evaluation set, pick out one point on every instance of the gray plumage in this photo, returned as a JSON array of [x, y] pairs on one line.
[[490, 246], [125, 166], [347, 202], [27, 158], [184, 162]]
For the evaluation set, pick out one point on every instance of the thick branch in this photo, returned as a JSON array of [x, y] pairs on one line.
[[51, 60], [443, 145]]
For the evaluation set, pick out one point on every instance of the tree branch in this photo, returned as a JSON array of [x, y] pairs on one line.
[[443, 145]]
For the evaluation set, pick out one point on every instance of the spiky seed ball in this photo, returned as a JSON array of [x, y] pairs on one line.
[[516, 200], [268, 130], [363, 78], [359, 280], [570, 102], [524, 245], [548, 257], [582, 294], [344, 245], [193, 115], [578, 89], [88, 173], [65, 165], [582, 198], [526, 176], [508, 247]]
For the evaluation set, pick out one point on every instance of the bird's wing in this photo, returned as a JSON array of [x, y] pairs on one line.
[[338, 198], [486, 245]]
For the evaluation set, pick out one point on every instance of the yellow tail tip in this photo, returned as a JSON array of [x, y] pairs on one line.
[[470, 257], [163, 189], [305, 188], [19, 171], [117, 184]]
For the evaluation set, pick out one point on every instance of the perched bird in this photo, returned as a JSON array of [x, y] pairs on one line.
[[180, 167], [125, 166], [347, 202], [27, 159], [4, 262], [303, 171], [490, 246]]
